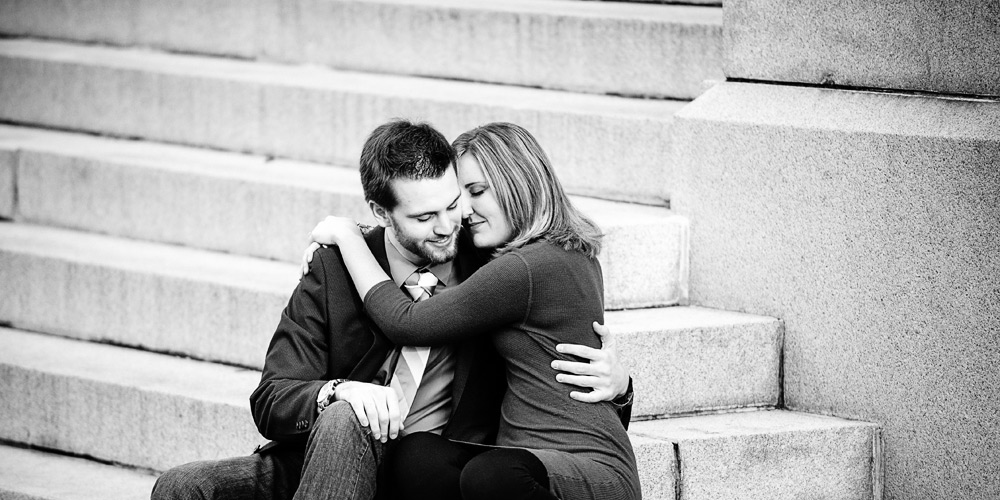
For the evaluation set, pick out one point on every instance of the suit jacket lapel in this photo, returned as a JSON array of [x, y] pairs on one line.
[[380, 345]]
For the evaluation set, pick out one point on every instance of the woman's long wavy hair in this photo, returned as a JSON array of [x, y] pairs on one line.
[[527, 189]]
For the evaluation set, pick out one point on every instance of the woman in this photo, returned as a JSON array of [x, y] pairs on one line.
[[542, 287]]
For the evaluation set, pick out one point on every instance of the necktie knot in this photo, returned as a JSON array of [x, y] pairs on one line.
[[420, 284]]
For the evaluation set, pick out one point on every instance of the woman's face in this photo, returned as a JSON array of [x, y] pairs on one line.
[[483, 216]]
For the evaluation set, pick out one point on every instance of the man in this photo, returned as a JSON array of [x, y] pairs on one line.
[[335, 392]]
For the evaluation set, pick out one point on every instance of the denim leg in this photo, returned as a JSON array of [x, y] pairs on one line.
[[342, 458], [270, 476]]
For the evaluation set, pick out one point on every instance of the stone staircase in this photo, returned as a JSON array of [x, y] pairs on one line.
[[160, 163]]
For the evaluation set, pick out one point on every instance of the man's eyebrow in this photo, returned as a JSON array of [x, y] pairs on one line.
[[432, 212]]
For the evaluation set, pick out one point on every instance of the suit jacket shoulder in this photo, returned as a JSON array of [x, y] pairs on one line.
[[322, 334]]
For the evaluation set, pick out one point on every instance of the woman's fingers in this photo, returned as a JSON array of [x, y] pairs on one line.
[[307, 256]]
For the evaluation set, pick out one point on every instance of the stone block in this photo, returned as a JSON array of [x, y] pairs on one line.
[[143, 286], [35, 475], [925, 45], [8, 183], [691, 359], [869, 223], [315, 114], [760, 455], [657, 465], [225, 307], [234, 203], [161, 399], [229, 27], [203, 304], [644, 256], [123, 405], [247, 205], [622, 49]]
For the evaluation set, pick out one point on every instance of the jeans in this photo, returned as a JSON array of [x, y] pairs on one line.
[[341, 461]]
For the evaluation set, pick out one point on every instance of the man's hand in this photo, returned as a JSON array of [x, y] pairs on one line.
[[376, 406], [606, 377]]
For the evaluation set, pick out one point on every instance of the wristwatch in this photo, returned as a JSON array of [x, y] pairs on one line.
[[326, 394]]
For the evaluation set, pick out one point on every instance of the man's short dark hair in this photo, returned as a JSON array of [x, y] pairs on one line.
[[402, 150]]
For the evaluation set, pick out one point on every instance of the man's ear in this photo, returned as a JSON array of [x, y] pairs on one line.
[[380, 213]]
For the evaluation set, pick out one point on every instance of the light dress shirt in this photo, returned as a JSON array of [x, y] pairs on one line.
[[431, 406]]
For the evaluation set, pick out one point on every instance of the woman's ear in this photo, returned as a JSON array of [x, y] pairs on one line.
[[380, 213]]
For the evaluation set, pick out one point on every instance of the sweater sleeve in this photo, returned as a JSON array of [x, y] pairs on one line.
[[496, 295]]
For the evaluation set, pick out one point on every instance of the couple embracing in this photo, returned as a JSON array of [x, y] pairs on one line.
[[433, 356]]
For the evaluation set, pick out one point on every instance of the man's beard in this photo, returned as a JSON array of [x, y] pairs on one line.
[[419, 247]]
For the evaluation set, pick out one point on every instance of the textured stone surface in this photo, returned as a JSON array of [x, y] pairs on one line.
[[247, 205], [657, 466], [159, 399], [931, 45], [71, 283], [869, 223], [8, 188], [229, 26], [759, 455], [35, 475], [652, 50], [685, 359], [222, 307], [644, 255], [607, 146], [122, 405], [235, 203], [203, 304]]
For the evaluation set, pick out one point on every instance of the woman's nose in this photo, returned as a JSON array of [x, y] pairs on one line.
[[466, 202]]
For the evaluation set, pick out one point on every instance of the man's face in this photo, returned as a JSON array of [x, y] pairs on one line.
[[426, 219]]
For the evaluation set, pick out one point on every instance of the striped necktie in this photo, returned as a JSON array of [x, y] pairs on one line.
[[412, 359]]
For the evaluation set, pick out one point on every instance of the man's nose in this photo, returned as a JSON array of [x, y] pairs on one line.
[[445, 225]]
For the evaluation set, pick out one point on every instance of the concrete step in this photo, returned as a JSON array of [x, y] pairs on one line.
[[122, 405], [166, 400], [615, 48], [202, 304], [223, 307], [693, 359], [773, 455], [604, 146], [252, 206], [27, 474]]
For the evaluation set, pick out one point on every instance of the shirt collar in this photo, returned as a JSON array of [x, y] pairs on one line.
[[400, 268]]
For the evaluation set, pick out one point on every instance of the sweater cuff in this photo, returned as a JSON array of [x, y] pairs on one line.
[[625, 399]]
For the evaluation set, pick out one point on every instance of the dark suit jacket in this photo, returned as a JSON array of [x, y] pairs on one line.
[[324, 334]]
